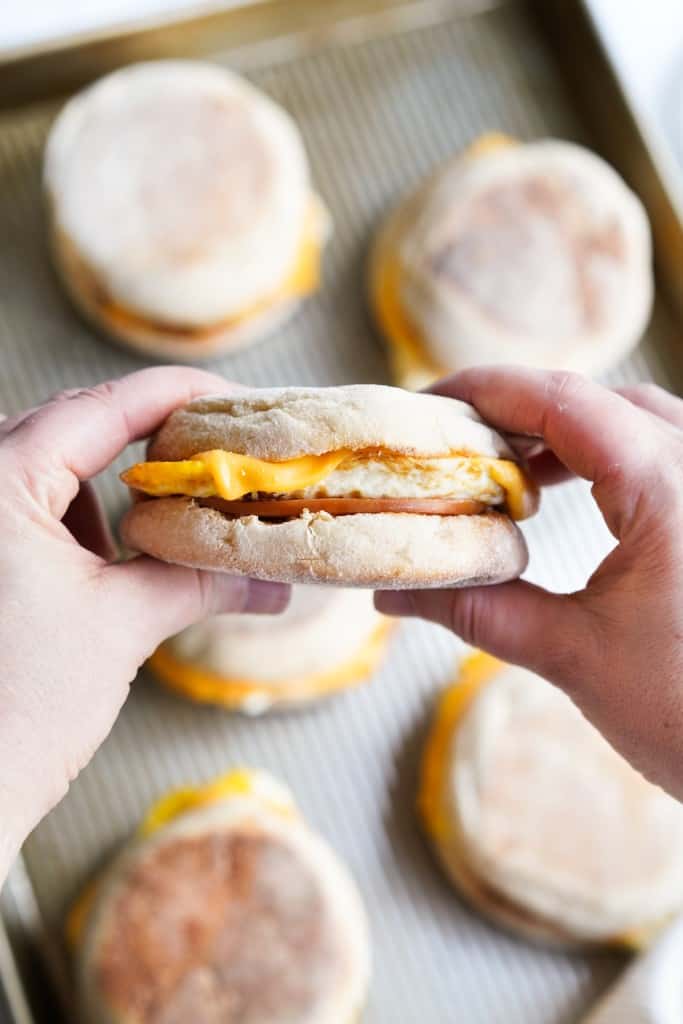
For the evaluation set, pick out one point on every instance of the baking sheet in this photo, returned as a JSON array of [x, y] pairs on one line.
[[376, 115]]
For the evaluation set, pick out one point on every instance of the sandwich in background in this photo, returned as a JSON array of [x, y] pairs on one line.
[[537, 820], [327, 640], [530, 253], [224, 906], [182, 217]]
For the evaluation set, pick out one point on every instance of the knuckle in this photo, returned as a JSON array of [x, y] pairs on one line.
[[205, 592], [218, 593], [103, 393], [563, 386], [65, 394], [33, 481], [646, 388], [469, 617]]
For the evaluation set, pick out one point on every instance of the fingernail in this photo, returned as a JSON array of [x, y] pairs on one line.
[[394, 602], [266, 598], [525, 447]]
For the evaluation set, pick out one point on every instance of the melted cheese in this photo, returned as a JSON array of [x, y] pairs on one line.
[[209, 687], [640, 938], [78, 914], [520, 493], [474, 673], [411, 364], [302, 279], [230, 476], [237, 783], [413, 368], [489, 142]]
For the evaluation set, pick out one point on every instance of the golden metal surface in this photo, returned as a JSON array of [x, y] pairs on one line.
[[43, 72], [382, 90]]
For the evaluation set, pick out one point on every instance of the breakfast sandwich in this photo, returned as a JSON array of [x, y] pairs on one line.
[[182, 217], [327, 640], [536, 254], [537, 820], [360, 485], [225, 907]]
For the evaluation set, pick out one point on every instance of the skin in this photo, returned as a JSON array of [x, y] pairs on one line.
[[76, 625], [616, 646]]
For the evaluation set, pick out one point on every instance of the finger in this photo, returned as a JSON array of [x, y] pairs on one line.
[[158, 599], [546, 469], [77, 434], [589, 428], [655, 400], [525, 447], [10, 423], [517, 622], [87, 523], [594, 433]]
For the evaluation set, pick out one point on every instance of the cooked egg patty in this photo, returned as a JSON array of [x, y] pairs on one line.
[[345, 473]]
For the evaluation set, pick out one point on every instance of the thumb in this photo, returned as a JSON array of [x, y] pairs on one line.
[[517, 622], [161, 599]]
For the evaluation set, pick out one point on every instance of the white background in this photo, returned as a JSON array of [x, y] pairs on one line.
[[645, 41]]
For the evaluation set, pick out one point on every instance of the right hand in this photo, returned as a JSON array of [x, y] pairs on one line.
[[616, 647], [75, 624]]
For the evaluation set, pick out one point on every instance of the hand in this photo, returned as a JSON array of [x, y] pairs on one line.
[[74, 627], [615, 647]]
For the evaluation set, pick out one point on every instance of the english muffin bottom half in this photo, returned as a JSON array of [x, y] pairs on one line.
[[327, 640], [182, 217], [225, 907], [539, 823], [359, 485], [530, 253]]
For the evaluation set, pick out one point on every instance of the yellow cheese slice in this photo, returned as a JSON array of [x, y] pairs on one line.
[[475, 671], [303, 278], [490, 142], [230, 476], [79, 912], [237, 783], [209, 687], [521, 493], [412, 366]]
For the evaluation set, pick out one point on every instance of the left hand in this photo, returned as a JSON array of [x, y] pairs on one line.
[[75, 626]]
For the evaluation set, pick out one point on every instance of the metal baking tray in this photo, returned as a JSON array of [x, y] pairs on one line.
[[382, 92]]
